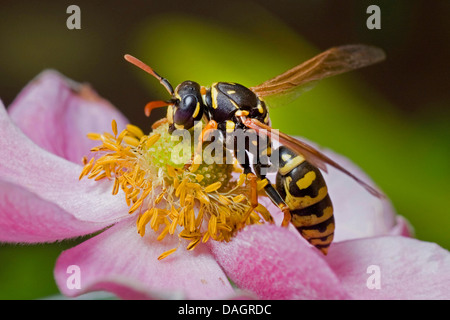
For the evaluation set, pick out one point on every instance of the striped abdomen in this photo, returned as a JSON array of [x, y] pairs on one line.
[[304, 190]]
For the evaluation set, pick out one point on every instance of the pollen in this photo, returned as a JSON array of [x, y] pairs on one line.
[[166, 196]]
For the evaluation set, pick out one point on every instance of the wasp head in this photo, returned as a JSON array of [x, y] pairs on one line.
[[187, 106]]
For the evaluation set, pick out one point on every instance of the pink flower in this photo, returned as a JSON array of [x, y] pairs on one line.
[[43, 138]]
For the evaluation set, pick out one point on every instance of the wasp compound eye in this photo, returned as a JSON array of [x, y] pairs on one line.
[[185, 109], [189, 102]]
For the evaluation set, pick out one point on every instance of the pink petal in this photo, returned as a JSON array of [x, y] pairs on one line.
[[57, 113], [358, 214], [276, 263], [408, 268], [54, 179], [24, 217], [402, 228], [119, 258]]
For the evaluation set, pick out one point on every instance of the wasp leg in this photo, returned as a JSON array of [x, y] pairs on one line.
[[209, 126], [196, 159], [159, 123], [271, 192], [252, 180]]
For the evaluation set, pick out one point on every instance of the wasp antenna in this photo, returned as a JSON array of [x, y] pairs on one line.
[[138, 63]]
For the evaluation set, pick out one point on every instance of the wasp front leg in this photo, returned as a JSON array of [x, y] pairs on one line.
[[159, 123], [196, 159], [251, 181]]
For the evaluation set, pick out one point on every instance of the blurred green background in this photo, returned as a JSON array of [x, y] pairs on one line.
[[392, 119]]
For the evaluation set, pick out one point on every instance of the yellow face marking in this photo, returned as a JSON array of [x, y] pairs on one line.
[[231, 92], [266, 119], [307, 180], [197, 110], [179, 126], [291, 165], [169, 114]]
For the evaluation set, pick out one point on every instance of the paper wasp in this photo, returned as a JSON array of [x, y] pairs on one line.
[[300, 190]]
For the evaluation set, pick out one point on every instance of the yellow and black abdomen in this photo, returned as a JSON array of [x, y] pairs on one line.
[[303, 188]]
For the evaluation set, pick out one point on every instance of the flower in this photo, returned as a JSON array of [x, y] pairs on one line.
[[43, 139], [204, 201]]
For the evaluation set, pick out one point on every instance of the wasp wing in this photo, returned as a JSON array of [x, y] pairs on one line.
[[311, 154], [289, 85]]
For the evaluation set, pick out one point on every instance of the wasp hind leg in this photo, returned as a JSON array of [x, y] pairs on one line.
[[274, 196]]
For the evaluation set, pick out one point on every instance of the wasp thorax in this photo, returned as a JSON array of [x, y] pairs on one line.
[[187, 108]]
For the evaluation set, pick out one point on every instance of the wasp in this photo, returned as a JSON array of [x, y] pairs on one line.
[[300, 190]]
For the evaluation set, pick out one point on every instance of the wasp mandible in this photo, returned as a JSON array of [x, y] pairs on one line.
[[300, 190]]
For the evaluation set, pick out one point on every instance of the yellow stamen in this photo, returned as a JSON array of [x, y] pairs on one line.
[[173, 225], [223, 200], [171, 171], [114, 127], [136, 131], [203, 198], [165, 254], [205, 237], [158, 200], [86, 169], [136, 206], [94, 136], [180, 188], [131, 141], [193, 206], [151, 140], [212, 226], [193, 244], [199, 218], [213, 187], [121, 136], [144, 219], [101, 176], [239, 198], [163, 233], [116, 186]]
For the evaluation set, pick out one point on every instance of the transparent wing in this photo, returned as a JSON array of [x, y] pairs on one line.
[[311, 154], [289, 85]]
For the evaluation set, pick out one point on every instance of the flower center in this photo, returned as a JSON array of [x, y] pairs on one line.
[[197, 203]]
